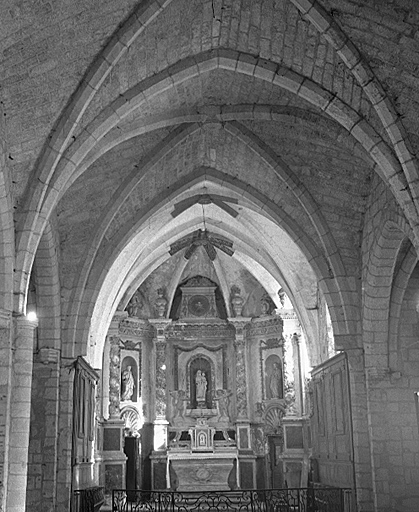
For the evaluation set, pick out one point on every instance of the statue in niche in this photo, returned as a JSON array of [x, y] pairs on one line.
[[201, 386], [275, 381], [127, 384]]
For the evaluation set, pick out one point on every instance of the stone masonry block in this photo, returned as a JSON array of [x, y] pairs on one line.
[[246, 64], [350, 54], [97, 73], [403, 152], [227, 59], [235, 112], [113, 50], [149, 9], [385, 158], [303, 5], [335, 36], [363, 73], [288, 80], [157, 84], [319, 18], [343, 113], [130, 30], [385, 111], [315, 94], [366, 135], [266, 70], [375, 92], [184, 70]]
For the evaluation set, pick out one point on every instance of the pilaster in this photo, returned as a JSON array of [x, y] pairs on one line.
[[114, 377], [160, 344], [298, 374], [242, 399]]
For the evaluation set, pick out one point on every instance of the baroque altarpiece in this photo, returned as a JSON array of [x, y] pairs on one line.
[[195, 401]]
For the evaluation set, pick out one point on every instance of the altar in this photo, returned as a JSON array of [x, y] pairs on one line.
[[202, 471], [204, 394], [203, 464]]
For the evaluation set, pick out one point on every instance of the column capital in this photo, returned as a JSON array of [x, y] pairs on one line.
[[116, 319], [160, 325], [23, 321], [239, 323]]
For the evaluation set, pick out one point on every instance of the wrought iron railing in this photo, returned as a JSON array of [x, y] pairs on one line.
[[268, 500], [88, 500]]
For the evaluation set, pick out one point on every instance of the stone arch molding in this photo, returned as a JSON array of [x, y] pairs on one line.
[[351, 57], [7, 236], [284, 174], [97, 293], [380, 311], [333, 265], [63, 166]]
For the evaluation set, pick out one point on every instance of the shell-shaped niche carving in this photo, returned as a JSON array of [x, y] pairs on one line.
[[131, 419], [273, 420]]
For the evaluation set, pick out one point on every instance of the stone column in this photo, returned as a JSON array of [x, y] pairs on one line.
[[5, 394], [360, 429], [43, 456], [20, 412]]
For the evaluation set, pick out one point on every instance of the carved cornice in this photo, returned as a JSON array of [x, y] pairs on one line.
[[208, 330], [266, 326], [287, 314], [136, 328], [116, 320]]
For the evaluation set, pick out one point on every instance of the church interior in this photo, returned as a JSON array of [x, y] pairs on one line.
[[209, 236]]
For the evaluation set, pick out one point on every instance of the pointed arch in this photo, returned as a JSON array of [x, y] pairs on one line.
[[45, 195]]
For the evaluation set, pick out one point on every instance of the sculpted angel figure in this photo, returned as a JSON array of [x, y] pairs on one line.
[[222, 397], [179, 398]]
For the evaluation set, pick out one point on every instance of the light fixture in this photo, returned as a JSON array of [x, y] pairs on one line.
[[32, 316]]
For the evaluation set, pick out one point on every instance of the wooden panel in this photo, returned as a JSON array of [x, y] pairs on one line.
[[331, 423]]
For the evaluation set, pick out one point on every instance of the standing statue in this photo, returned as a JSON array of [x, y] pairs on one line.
[[134, 305], [275, 381], [201, 386], [127, 383]]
